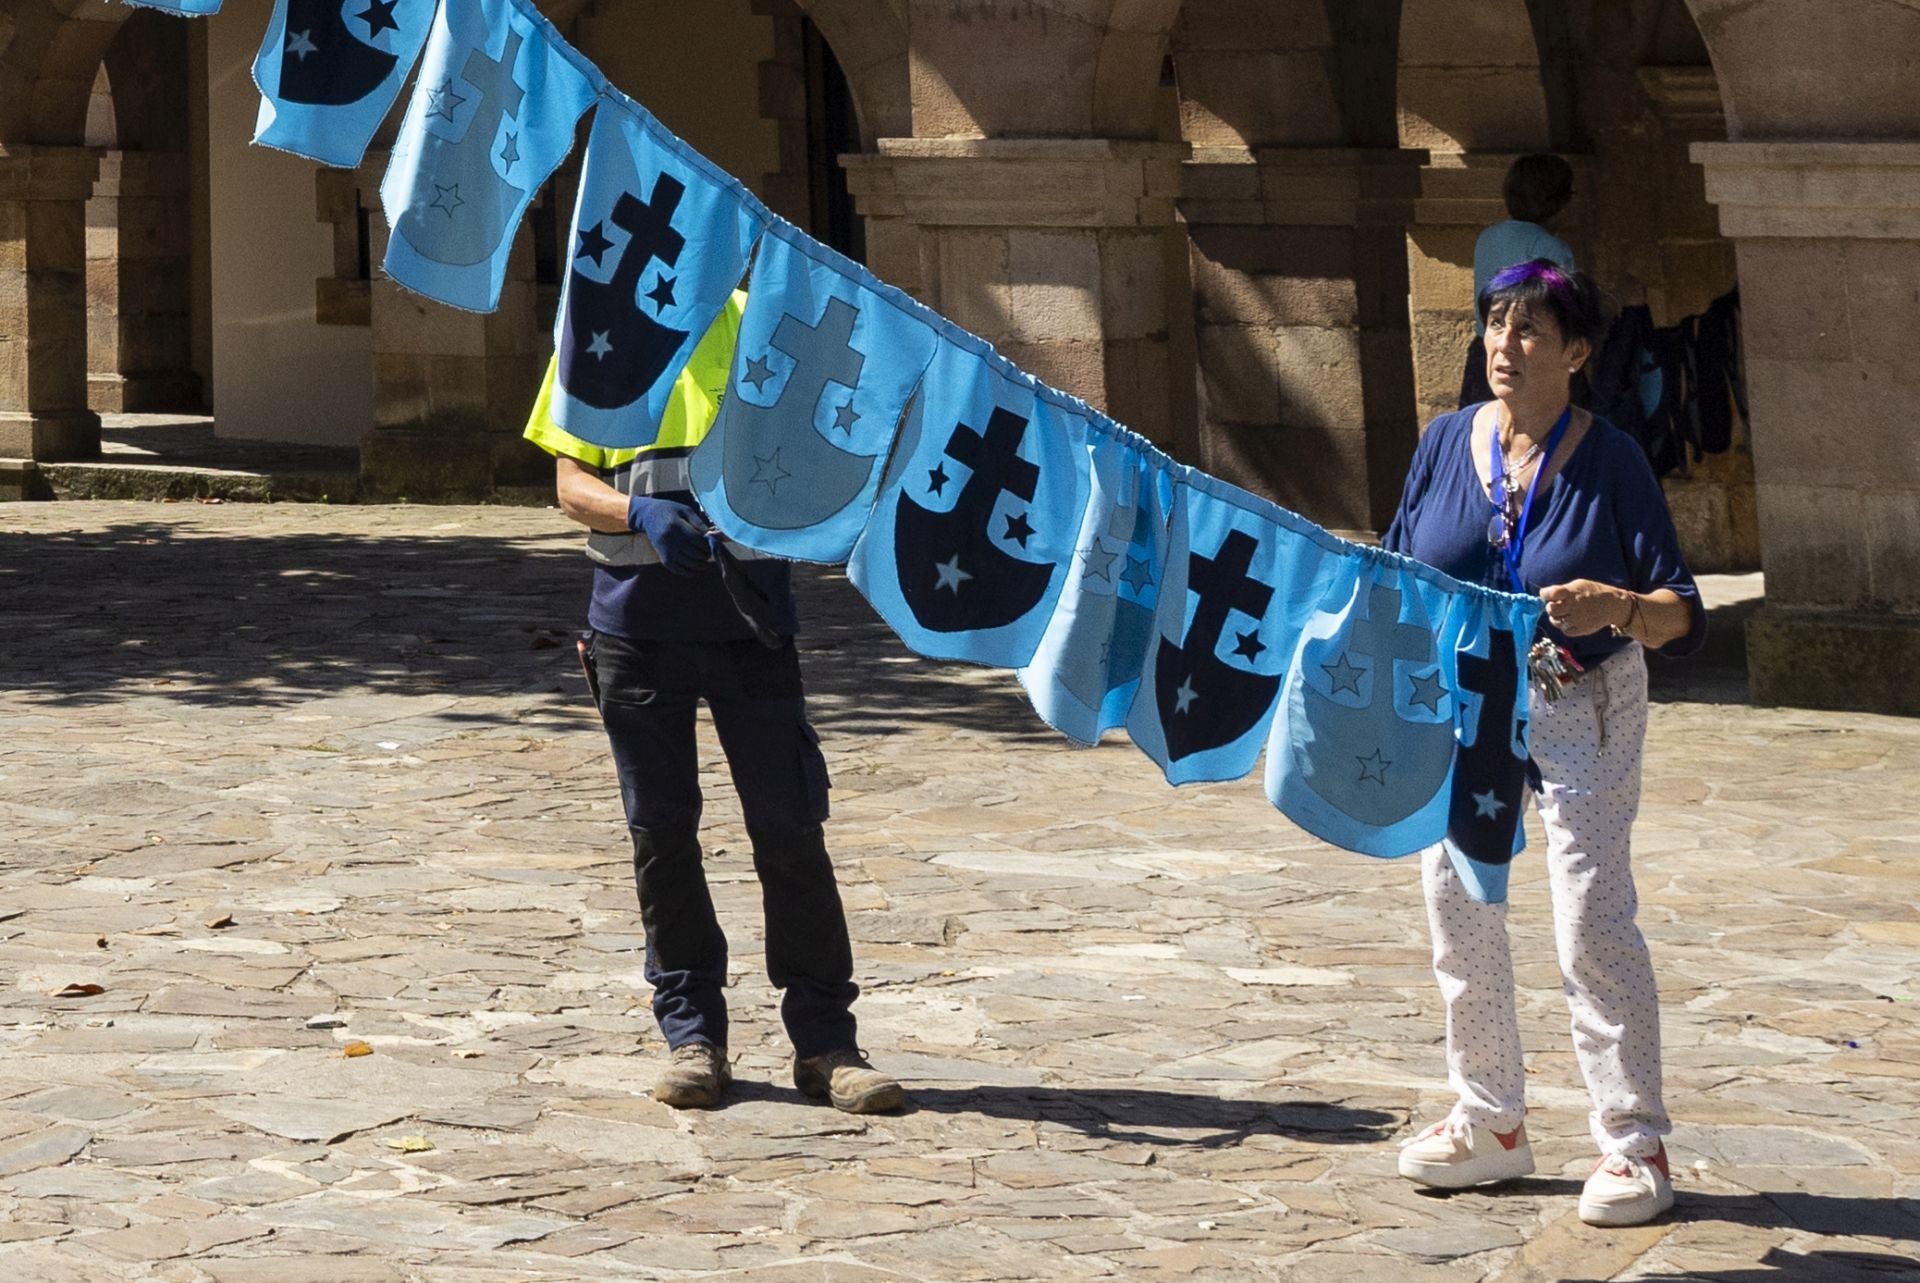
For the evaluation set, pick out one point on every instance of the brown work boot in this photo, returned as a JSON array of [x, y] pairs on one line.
[[849, 1081], [695, 1077]]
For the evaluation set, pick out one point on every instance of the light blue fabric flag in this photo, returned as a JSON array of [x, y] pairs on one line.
[[824, 366], [660, 241], [972, 538], [184, 8], [1237, 576], [329, 71], [1490, 767], [1088, 667], [1363, 749], [492, 115]]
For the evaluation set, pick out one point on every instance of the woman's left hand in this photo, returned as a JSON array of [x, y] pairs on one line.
[[1582, 606]]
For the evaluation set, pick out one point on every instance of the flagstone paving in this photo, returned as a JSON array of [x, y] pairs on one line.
[[278, 780]]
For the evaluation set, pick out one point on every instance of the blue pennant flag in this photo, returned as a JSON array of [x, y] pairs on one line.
[[1237, 572], [1089, 665], [823, 369], [329, 71], [660, 242], [973, 536], [1404, 719], [492, 115], [184, 8], [1363, 750], [1490, 768]]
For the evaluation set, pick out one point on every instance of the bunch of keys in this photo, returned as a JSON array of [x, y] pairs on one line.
[[1552, 666]]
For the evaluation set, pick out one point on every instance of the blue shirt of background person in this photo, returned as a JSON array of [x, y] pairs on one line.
[[1537, 190]]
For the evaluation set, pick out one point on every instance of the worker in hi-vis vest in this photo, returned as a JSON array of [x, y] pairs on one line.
[[679, 615]]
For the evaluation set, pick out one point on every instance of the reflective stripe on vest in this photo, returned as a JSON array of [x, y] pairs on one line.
[[651, 472]]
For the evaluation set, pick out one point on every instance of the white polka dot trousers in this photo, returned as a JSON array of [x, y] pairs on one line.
[[1587, 744]]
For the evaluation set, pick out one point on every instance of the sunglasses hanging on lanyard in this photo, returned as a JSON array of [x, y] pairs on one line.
[[1551, 665]]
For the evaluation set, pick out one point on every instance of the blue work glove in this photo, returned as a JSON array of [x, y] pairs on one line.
[[677, 532]]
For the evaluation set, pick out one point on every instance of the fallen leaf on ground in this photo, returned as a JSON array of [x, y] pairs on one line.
[[409, 1144], [356, 1049], [78, 991]]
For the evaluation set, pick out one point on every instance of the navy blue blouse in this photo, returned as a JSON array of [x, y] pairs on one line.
[[1602, 517]]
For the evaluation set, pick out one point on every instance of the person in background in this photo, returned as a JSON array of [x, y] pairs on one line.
[[1537, 191], [1528, 494], [678, 615]]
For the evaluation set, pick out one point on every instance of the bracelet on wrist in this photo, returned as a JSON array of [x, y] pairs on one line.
[[1625, 627]]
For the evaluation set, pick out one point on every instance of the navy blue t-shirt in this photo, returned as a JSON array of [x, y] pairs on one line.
[[651, 603], [1602, 517]]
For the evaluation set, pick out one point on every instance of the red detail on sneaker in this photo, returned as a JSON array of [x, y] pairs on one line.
[[1617, 1163], [1512, 1139]]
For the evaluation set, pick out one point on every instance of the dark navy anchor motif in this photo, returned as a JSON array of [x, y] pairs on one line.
[[324, 62], [1204, 703], [781, 473], [611, 351], [473, 207], [953, 575], [1367, 760], [1489, 777]]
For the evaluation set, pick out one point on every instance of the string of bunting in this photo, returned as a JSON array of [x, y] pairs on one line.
[[986, 516]]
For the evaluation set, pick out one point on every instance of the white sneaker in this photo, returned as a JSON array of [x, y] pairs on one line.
[[1627, 1191], [1453, 1154]]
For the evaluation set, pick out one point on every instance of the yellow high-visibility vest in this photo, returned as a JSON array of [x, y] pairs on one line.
[[691, 409]]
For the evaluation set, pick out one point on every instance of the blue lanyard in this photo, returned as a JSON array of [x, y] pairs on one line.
[[1498, 468]]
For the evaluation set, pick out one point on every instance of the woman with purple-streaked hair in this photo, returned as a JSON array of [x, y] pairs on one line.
[[1528, 494]]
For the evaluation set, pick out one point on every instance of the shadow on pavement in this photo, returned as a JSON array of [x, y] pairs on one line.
[[1830, 1214], [1129, 1114], [1780, 1266], [199, 616], [1715, 675]]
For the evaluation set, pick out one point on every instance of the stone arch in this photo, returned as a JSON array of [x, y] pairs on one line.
[[146, 64], [1789, 70], [869, 39], [1471, 78], [1296, 73], [992, 70], [50, 58]]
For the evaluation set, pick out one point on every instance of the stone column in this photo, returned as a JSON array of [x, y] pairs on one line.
[[1058, 251], [138, 312], [1460, 197], [43, 303], [1828, 238], [451, 388], [1300, 285]]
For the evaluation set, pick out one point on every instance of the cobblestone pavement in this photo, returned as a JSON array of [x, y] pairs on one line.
[[279, 779]]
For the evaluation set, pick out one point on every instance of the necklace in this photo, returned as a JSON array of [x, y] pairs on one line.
[[1513, 464]]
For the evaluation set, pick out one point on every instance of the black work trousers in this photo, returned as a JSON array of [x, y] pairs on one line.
[[648, 692]]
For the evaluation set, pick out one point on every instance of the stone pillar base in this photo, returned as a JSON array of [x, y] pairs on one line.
[[20, 480], [447, 460], [49, 435], [143, 393], [1824, 659], [1828, 235]]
